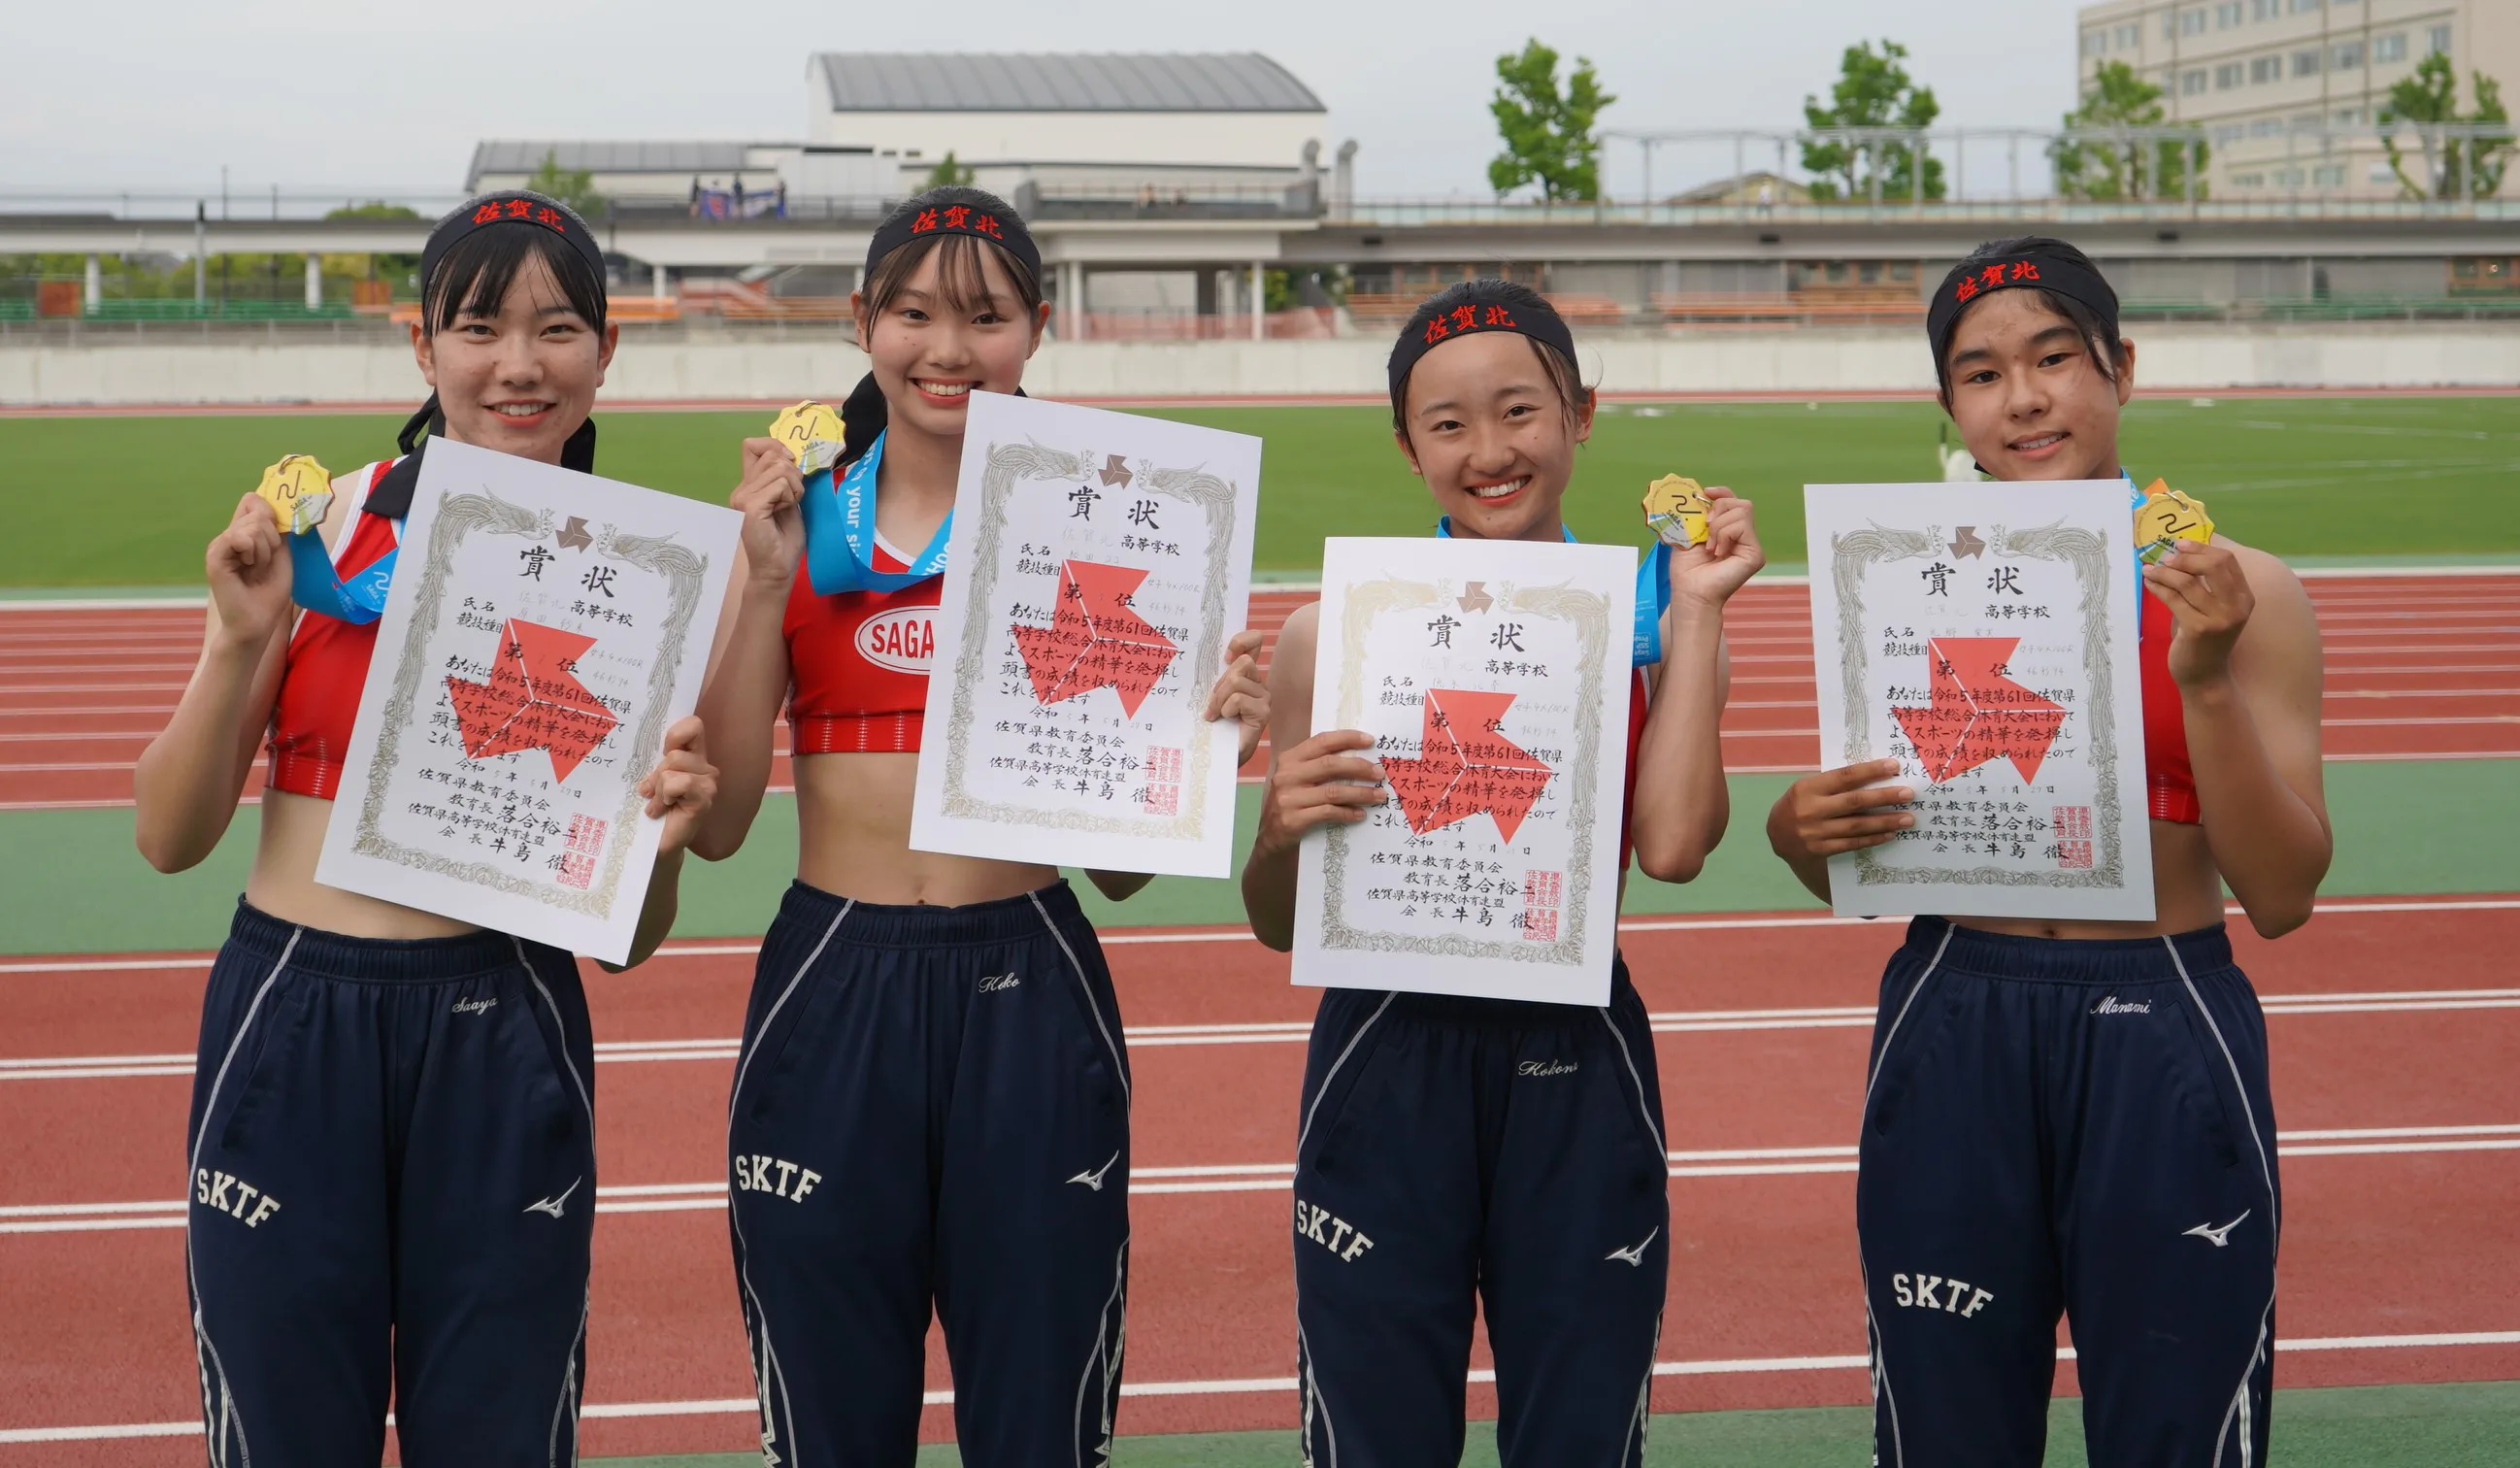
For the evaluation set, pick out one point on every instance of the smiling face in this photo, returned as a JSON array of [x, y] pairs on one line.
[[946, 331], [519, 379], [1490, 434], [2028, 395]]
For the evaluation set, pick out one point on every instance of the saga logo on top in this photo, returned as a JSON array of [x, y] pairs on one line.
[[903, 639]]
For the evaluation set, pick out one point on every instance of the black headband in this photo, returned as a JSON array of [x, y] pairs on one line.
[[1481, 306], [956, 212], [509, 206], [2036, 269]]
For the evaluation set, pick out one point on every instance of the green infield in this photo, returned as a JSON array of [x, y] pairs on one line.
[[2290, 475], [72, 876], [2450, 1425]]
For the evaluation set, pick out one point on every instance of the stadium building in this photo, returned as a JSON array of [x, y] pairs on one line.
[[2292, 93]]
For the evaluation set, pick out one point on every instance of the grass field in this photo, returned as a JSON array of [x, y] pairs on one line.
[[2296, 476]]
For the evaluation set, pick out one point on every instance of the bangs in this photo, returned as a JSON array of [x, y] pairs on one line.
[[962, 276], [475, 278]]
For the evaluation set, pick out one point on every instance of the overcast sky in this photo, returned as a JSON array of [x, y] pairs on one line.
[[333, 96]]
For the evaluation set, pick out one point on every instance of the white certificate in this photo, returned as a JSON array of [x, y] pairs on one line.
[[543, 629], [1985, 636], [1098, 564], [1493, 677]]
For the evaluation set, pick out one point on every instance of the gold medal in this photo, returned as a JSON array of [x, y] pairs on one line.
[[298, 491], [1676, 509], [806, 424], [2168, 515]]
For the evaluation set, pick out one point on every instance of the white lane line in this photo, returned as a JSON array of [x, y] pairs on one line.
[[745, 1407], [1297, 1032], [1265, 1177]]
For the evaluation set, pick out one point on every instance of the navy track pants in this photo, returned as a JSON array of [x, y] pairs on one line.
[[392, 1163], [1459, 1152], [932, 1110], [2077, 1126]]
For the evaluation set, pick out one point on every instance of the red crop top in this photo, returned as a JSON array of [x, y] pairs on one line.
[[2170, 780], [858, 664], [327, 662]]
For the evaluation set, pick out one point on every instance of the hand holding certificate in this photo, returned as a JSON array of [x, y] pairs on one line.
[[1493, 677], [1097, 564], [1984, 637], [547, 630]]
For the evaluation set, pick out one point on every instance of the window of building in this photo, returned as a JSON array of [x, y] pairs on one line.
[[2129, 37], [2227, 14], [2390, 48], [2191, 22], [2329, 176], [2349, 56], [2265, 10], [2248, 180], [2306, 63], [2192, 82], [2300, 7], [2266, 68], [2267, 127], [2227, 76], [2349, 116], [2228, 133], [2169, 25], [2437, 41], [2380, 174], [2307, 122], [2095, 43]]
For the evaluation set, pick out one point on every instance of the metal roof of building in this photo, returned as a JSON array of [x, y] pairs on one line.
[[524, 155], [999, 82]]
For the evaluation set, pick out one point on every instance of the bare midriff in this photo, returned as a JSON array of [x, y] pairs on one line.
[[284, 884], [853, 839], [2187, 895]]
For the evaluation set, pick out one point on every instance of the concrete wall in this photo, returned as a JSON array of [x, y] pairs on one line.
[[2173, 357]]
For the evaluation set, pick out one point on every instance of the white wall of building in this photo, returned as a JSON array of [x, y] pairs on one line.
[[2177, 358]]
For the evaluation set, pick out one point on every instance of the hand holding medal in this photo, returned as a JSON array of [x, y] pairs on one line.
[[2203, 583], [1708, 546]]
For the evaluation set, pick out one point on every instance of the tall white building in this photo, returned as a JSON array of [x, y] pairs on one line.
[[2289, 90]]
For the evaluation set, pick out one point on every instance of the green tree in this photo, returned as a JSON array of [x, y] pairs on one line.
[[1546, 129], [2430, 94], [2115, 172], [1873, 90], [949, 170], [574, 187]]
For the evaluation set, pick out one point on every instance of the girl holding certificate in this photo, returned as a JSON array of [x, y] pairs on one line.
[[931, 1105], [2073, 1115], [1459, 1151], [392, 1147]]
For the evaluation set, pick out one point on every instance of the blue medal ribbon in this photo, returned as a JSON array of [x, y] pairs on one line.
[[839, 531], [316, 584], [1654, 595], [2134, 504]]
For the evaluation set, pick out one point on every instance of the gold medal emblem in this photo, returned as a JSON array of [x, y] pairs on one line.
[[1676, 509], [805, 424], [298, 491], [2165, 517]]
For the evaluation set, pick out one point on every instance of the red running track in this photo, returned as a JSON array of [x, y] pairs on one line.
[[2418, 669], [2399, 1112]]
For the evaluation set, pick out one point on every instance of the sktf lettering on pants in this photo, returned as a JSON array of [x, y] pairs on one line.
[[1337, 1235], [756, 1173], [234, 1196], [1957, 1297]]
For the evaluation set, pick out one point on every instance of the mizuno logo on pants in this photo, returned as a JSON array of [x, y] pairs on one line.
[[2220, 1238], [554, 1206]]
